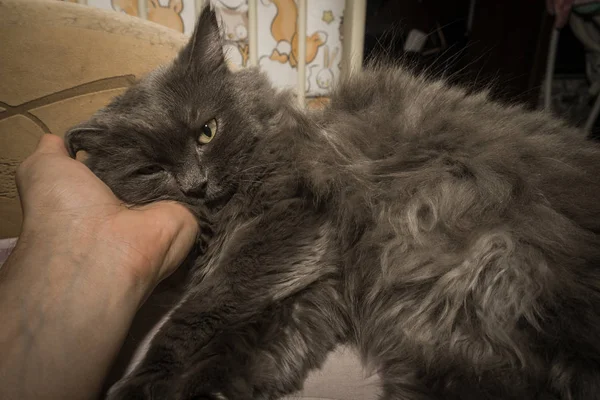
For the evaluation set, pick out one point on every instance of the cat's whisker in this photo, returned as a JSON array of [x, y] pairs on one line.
[[251, 181], [269, 164]]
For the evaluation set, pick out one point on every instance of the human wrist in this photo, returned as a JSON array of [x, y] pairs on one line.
[[57, 308], [90, 249], [58, 268]]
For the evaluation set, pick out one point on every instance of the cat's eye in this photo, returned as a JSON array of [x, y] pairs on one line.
[[149, 170], [208, 131]]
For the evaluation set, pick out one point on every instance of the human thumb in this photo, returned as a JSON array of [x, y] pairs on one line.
[[181, 229]]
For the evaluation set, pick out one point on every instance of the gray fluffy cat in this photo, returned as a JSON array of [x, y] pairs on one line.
[[453, 241]]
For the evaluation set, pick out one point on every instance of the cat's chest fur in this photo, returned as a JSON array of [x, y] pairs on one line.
[[274, 216]]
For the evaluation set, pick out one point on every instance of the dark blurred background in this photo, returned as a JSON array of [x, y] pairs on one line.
[[502, 43]]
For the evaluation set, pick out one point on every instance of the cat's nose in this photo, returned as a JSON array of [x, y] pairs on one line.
[[193, 185], [197, 189]]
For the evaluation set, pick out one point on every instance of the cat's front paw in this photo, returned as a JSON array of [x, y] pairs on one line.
[[193, 390], [196, 393], [210, 396], [141, 387], [213, 382]]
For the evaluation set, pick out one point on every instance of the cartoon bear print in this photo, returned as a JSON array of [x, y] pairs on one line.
[[234, 18], [169, 16], [284, 30]]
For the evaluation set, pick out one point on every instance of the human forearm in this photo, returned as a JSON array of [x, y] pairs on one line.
[[65, 314]]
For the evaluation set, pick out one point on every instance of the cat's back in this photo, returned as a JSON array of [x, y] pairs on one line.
[[485, 230], [414, 132], [390, 105]]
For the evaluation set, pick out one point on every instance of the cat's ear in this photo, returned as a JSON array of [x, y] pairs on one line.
[[83, 137], [204, 51]]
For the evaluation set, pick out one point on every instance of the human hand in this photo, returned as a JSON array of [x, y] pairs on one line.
[[83, 264], [68, 207]]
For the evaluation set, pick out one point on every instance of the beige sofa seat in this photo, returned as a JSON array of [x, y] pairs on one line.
[[59, 62]]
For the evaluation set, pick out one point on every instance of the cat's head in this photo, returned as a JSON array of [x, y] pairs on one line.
[[183, 132]]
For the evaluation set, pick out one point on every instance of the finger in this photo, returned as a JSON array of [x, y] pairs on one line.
[[51, 144], [166, 207], [182, 228], [48, 144]]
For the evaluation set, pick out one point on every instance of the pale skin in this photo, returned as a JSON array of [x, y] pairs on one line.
[[82, 267]]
